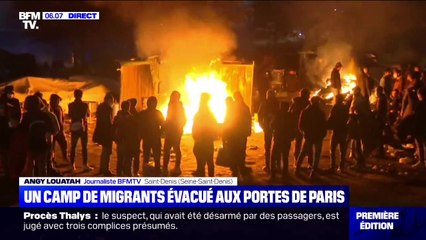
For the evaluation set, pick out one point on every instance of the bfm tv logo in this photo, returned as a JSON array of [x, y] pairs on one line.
[[29, 19]]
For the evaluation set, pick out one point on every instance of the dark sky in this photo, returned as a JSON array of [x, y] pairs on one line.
[[395, 29]]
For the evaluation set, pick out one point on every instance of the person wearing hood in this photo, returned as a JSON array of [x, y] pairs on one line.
[[312, 123], [173, 129], [267, 112]]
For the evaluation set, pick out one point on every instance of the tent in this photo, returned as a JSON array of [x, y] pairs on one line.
[[93, 91]]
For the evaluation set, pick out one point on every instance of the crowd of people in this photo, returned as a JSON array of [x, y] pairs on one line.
[[40, 125], [389, 112], [356, 122]]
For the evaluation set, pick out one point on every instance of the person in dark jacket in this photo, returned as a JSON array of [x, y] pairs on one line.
[[312, 124], [366, 82], [10, 117], [79, 112], [241, 130], [409, 99], [104, 132], [38, 126], [173, 129], [267, 111], [394, 106], [135, 153], [420, 127], [299, 104], [335, 80], [59, 138], [337, 123], [152, 127], [380, 113], [204, 132], [386, 82], [283, 132], [123, 129], [399, 81]]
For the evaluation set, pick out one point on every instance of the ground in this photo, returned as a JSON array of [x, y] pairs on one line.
[[386, 183]]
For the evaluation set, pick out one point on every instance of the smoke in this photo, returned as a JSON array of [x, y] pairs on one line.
[[319, 69], [339, 31], [184, 34]]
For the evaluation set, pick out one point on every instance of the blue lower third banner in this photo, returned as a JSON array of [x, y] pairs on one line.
[[183, 196], [387, 223]]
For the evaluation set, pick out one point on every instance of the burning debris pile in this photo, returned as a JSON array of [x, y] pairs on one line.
[[348, 84]]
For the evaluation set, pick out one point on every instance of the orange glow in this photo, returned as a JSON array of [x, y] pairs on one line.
[[197, 83]]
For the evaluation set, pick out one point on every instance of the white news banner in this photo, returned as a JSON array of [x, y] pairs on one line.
[[130, 181]]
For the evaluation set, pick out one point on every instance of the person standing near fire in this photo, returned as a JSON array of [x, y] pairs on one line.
[[123, 129], [173, 129], [241, 129], [366, 82], [135, 152], [337, 123], [335, 80], [386, 82], [59, 138], [267, 112], [283, 132], [312, 124], [299, 104], [10, 117], [204, 132], [151, 127], [79, 112], [104, 132]]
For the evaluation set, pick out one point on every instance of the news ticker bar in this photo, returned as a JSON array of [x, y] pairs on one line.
[[129, 181]]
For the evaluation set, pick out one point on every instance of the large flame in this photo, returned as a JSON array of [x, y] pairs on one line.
[[197, 83]]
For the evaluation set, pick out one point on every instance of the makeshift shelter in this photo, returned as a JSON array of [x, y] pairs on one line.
[[93, 92], [141, 79]]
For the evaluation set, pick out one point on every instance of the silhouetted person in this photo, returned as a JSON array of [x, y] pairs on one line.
[[173, 129], [152, 126], [337, 123], [38, 126], [204, 132], [409, 99], [386, 82], [312, 124], [136, 141], [56, 128], [299, 104], [228, 125], [394, 106], [380, 113], [399, 82], [123, 129], [79, 112], [358, 113], [241, 130], [104, 132], [420, 128], [283, 126], [10, 117], [335, 80], [367, 82], [59, 138], [267, 111], [43, 101]]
